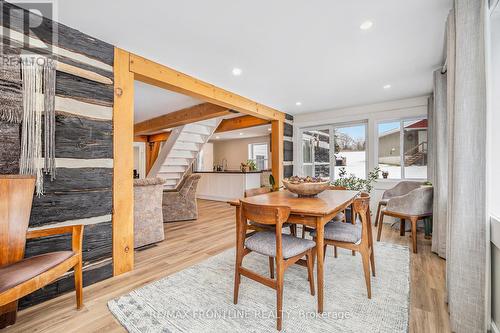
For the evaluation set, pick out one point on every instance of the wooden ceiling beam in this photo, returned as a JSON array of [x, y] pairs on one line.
[[240, 123], [161, 76], [182, 117]]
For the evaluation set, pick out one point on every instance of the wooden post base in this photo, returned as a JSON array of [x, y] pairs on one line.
[[8, 314]]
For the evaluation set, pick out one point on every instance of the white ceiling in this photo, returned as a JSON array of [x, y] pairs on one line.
[[150, 101], [289, 50], [242, 133]]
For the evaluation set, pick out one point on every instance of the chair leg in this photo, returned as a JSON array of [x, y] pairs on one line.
[[366, 267], [378, 214], [380, 223], [334, 251], [372, 260], [414, 232], [310, 275], [324, 251], [303, 231], [237, 276], [279, 294], [293, 229], [78, 283], [271, 267], [402, 227]]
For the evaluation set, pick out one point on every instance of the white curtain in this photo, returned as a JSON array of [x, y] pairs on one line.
[[466, 242], [438, 163]]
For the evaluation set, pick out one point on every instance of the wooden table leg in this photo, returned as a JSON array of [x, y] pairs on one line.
[[320, 261], [239, 241]]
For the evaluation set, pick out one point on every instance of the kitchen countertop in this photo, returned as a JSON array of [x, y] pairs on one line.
[[229, 171]]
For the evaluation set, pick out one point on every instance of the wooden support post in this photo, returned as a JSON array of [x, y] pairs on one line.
[[152, 150], [123, 164], [277, 127]]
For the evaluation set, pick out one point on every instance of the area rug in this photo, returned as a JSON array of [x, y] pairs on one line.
[[200, 298]]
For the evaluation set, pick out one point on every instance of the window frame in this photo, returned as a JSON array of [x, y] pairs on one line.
[[332, 129], [401, 144], [251, 152]]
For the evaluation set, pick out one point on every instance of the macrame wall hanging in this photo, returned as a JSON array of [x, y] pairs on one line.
[[38, 87]]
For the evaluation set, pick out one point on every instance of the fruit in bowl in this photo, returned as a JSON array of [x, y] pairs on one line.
[[306, 186]]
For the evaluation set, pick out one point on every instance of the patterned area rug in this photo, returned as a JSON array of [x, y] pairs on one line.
[[200, 298]]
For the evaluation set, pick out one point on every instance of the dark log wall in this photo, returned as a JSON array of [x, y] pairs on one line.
[[288, 147], [81, 192]]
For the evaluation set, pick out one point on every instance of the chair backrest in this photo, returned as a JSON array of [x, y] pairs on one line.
[[257, 191], [190, 184], [16, 196], [402, 188], [362, 208], [265, 214]]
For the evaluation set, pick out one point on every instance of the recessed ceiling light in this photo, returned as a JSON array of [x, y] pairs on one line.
[[217, 137], [387, 86], [366, 25], [241, 133], [237, 71], [298, 103]]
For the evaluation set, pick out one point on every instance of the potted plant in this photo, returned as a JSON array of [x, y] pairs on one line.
[[354, 183]]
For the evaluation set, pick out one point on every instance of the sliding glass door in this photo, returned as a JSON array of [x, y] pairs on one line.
[[328, 150]]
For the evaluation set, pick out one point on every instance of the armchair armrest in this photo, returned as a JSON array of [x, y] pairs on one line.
[[76, 232], [415, 203]]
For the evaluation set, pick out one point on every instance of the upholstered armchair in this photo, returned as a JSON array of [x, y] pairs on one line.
[[180, 204], [402, 188], [414, 205], [148, 216]]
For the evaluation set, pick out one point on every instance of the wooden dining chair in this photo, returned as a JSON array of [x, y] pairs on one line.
[[21, 276], [355, 237], [252, 225], [285, 249]]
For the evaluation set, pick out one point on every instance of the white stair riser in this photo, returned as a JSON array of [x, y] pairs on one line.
[[179, 145], [177, 161], [170, 175], [190, 137], [198, 129], [170, 169], [175, 153]]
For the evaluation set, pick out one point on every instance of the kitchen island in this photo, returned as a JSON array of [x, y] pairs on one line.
[[226, 185]]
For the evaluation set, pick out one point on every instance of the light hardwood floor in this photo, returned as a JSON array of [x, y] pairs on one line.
[[191, 242]]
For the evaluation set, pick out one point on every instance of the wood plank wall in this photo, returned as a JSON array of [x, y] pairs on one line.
[[288, 147], [82, 190]]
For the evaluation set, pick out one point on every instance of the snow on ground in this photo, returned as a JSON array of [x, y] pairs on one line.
[[356, 161]]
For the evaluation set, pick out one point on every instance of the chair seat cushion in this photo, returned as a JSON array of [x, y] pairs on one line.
[[26, 269], [264, 242], [342, 232]]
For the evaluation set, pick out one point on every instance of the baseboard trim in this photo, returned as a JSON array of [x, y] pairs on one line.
[[494, 327]]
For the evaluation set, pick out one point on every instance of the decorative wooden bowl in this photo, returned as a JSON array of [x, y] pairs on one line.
[[306, 190]]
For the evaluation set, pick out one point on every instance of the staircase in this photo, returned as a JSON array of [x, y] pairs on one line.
[[178, 153], [415, 154]]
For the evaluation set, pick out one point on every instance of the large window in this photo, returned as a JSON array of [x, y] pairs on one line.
[[259, 153], [402, 148], [326, 150]]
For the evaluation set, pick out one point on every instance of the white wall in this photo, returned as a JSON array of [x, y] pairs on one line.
[[493, 165], [236, 151], [372, 114]]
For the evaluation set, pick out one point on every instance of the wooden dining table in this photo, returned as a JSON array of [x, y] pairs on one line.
[[312, 212]]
